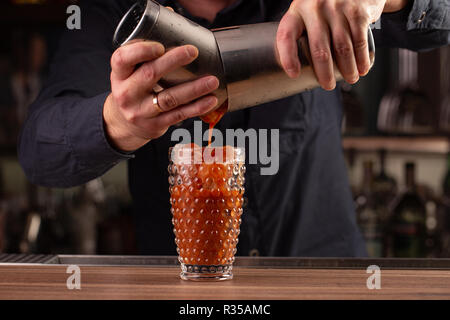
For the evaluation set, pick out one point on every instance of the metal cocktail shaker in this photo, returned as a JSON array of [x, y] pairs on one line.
[[243, 58]]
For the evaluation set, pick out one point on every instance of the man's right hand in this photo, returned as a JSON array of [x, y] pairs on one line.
[[130, 116]]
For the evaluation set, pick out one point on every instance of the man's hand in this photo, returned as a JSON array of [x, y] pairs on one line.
[[341, 22], [130, 116]]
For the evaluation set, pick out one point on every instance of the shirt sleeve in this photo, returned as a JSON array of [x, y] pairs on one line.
[[421, 25], [63, 141]]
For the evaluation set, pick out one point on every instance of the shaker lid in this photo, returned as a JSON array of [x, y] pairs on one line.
[[137, 22]]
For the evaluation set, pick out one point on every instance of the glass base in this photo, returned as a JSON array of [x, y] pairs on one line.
[[206, 272]]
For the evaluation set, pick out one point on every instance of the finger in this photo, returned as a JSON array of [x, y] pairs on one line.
[[319, 43], [343, 48], [125, 58], [148, 74], [186, 92], [195, 109], [289, 31], [155, 104], [359, 24], [157, 88]]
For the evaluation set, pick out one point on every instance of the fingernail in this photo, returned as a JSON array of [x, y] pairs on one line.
[[192, 51], [354, 79], [212, 83], [158, 49], [363, 70], [212, 101], [293, 71], [331, 86]]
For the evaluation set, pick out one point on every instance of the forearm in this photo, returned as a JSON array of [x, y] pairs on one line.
[[63, 143]]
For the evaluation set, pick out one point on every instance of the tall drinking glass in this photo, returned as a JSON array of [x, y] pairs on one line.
[[206, 194]]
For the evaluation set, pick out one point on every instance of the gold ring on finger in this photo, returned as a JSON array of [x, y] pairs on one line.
[[156, 103]]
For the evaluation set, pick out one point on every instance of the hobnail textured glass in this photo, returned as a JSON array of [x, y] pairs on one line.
[[206, 201]]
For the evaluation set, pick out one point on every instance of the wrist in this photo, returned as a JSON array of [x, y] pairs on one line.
[[116, 130], [395, 5]]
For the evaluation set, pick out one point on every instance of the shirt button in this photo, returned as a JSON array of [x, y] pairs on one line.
[[422, 17], [254, 253]]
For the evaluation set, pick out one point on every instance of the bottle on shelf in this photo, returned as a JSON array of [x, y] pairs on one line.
[[433, 241], [367, 213], [407, 225], [384, 186], [406, 109]]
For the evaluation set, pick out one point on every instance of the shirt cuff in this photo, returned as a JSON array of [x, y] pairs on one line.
[[429, 14], [88, 139], [400, 17]]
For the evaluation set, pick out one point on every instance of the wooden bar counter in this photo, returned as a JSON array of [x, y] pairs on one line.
[[145, 277]]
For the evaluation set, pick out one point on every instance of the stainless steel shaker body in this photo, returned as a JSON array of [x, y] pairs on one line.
[[244, 58], [253, 71]]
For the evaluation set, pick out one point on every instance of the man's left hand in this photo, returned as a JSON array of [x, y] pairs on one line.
[[341, 22]]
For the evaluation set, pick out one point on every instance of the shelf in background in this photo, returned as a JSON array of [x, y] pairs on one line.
[[439, 145]]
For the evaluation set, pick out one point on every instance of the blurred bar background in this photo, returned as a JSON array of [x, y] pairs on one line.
[[396, 140]]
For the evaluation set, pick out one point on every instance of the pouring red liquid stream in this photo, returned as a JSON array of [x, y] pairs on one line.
[[214, 117]]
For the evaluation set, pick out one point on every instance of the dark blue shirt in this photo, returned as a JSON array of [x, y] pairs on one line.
[[304, 210]]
